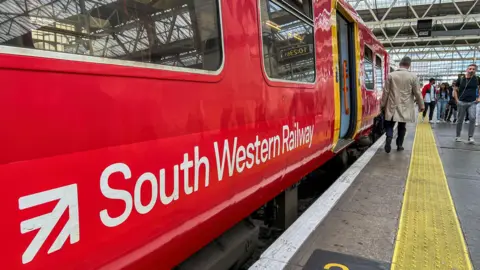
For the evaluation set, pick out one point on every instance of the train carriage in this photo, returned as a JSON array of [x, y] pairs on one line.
[[135, 132]]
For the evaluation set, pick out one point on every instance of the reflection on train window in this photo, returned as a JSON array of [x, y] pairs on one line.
[[378, 73], [288, 50], [368, 64], [303, 6], [183, 33]]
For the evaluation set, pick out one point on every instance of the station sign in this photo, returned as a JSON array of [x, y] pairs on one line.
[[424, 28], [424, 33]]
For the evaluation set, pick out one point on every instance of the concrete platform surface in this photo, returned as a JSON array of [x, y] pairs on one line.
[[462, 168], [364, 221]]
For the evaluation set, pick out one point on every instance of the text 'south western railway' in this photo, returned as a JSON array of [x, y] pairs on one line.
[[231, 154], [230, 157]]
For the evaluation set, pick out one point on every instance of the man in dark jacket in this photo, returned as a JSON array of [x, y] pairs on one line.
[[466, 96]]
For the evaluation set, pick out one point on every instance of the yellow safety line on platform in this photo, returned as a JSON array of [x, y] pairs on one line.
[[429, 234]]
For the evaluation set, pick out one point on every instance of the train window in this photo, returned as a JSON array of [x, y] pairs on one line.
[[303, 6], [378, 73], [181, 33], [368, 64], [288, 43]]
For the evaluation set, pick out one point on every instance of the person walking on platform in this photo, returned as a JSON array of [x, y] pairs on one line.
[[452, 105], [466, 96], [428, 93], [398, 102], [477, 121], [442, 101]]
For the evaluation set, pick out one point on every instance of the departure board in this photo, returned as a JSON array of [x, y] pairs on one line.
[[294, 52]]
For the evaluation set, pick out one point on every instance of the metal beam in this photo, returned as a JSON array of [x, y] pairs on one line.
[[414, 20], [428, 9], [388, 11], [454, 33], [430, 51], [427, 39], [437, 59], [134, 24], [438, 76], [412, 9], [471, 46], [447, 52]]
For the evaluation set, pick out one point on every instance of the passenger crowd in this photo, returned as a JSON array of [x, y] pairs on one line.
[[445, 103], [460, 100]]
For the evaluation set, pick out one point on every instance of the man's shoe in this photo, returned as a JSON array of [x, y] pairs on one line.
[[388, 145], [400, 148], [458, 139], [471, 140]]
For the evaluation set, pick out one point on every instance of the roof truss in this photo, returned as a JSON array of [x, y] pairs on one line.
[[455, 38]]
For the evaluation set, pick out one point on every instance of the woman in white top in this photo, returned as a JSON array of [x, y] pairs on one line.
[[428, 93]]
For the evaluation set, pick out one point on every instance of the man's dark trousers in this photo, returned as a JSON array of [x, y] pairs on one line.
[[402, 130]]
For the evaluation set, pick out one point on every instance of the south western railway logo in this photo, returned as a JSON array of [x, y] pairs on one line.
[[232, 158], [67, 200]]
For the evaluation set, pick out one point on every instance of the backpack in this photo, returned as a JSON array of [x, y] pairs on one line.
[[379, 124]]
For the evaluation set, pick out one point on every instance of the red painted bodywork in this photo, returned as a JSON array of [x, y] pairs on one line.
[[64, 122]]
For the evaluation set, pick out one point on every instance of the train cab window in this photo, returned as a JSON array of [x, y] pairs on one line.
[[181, 33], [368, 64], [288, 43], [378, 73]]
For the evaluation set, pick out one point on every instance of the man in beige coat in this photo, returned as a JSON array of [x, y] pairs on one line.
[[398, 102]]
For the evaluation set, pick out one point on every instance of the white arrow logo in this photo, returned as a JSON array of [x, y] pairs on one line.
[[67, 197]]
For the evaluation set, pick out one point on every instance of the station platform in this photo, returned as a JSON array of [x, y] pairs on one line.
[[414, 209]]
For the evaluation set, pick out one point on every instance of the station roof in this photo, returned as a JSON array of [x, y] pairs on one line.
[[453, 43]]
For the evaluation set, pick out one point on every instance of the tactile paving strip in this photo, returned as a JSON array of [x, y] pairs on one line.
[[429, 234]]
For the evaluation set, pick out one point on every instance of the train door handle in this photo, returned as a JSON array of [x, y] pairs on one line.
[[345, 87]]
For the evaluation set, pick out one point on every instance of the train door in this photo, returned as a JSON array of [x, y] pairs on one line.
[[346, 61]]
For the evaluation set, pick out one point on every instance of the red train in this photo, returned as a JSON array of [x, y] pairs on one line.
[[136, 131]]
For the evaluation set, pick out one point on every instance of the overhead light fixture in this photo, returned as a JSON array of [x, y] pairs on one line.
[[273, 25], [299, 38]]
